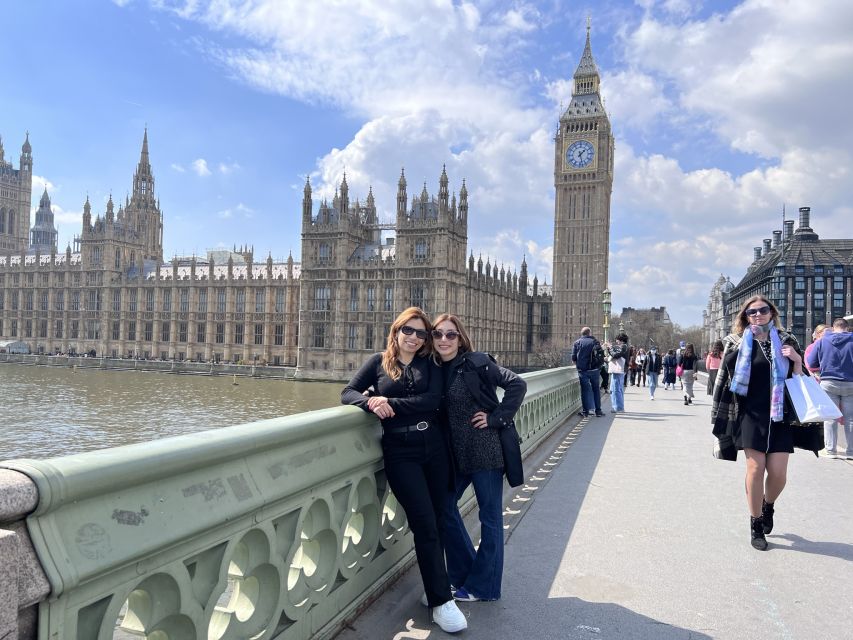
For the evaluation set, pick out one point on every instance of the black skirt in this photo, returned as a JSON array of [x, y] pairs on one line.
[[756, 429]]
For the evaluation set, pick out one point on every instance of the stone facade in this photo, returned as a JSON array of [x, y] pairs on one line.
[[810, 280], [715, 321], [583, 180], [16, 187], [115, 295]]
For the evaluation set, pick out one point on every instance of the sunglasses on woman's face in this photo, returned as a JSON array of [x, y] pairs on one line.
[[759, 311], [406, 330], [450, 335]]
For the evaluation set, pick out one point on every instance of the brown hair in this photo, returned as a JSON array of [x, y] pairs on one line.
[[717, 348], [392, 349], [689, 351], [742, 323], [464, 340]]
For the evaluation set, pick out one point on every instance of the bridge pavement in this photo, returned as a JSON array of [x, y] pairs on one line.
[[629, 529]]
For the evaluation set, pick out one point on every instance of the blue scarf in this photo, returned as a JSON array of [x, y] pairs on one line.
[[778, 370]]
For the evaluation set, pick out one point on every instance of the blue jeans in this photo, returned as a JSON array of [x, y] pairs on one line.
[[653, 383], [617, 391], [590, 392], [478, 571]]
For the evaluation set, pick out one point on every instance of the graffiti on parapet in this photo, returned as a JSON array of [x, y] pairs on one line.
[[211, 490], [132, 518]]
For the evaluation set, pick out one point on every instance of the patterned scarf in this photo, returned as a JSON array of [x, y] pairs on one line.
[[778, 371]]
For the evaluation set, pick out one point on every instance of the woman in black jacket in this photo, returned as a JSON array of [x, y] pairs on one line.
[[749, 410], [484, 443], [403, 388]]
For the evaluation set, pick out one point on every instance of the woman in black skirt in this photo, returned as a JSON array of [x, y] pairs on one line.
[[749, 407]]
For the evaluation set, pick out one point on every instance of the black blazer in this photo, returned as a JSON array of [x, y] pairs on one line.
[[482, 376], [656, 366]]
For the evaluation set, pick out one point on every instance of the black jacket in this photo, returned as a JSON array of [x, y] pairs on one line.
[[653, 366], [582, 352], [482, 376]]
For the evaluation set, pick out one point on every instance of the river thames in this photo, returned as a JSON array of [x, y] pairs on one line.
[[56, 411]]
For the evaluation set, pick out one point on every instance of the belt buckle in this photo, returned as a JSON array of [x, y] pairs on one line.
[[425, 425]]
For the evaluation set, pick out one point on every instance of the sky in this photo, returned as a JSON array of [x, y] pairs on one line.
[[723, 112]]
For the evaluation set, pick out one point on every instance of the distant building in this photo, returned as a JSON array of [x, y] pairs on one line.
[[654, 316], [115, 294], [715, 320], [810, 280]]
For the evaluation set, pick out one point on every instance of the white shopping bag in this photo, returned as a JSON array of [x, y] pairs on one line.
[[811, 403]]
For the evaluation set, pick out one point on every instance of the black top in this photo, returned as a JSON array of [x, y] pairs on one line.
[[415, 396], [687, 362], [473, 449]]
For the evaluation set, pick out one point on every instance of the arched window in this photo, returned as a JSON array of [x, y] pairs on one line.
[[118, 259], [11, 227], [133, 258], [2, 221]]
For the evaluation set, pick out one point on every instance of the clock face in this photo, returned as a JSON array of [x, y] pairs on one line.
[[579, 154]]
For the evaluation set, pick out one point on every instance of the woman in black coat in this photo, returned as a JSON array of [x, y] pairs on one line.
[[749, 410], [402, 386], [484, 444]]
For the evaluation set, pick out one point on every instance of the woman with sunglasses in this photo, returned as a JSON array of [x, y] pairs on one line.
[[403, 386], [484, 444], [749, 411]]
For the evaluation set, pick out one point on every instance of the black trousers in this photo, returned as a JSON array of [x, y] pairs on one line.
[[417, 466]]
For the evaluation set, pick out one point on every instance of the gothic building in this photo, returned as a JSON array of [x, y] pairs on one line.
[[16, 186], [583, 180], [115, 295]]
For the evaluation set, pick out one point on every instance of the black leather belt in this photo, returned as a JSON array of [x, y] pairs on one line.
[[423, 425]]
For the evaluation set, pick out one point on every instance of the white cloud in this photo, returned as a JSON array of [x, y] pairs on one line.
[[225, 168], [240, 209], [177, 167], [200, 167], [41, 183]]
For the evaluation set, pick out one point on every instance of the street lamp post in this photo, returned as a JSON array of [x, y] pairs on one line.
[[605, 301]]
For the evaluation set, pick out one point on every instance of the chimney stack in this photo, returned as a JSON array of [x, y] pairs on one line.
[[789, 229], [777, 239], [805, 214], [766, 246], [757, 255]]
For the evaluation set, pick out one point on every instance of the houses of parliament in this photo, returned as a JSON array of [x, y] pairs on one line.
[[114, 294]]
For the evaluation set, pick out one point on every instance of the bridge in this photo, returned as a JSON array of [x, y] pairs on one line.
[[625, 528]]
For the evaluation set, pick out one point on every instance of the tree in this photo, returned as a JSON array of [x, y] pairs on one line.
[[549, 355]]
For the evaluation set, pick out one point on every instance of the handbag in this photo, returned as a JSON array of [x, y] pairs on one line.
[[511, 449], [810, 402], [678, 371]]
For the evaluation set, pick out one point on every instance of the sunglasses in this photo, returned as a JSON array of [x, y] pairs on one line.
[[760, 311], [406, 330], [450, 335]]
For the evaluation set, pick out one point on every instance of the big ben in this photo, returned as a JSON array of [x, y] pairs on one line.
[[583, 181]]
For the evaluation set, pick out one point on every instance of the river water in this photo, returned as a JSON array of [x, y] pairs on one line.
[[56, 411]]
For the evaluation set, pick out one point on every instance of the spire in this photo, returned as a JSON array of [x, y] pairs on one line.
[[143, 179], [586, 76], [26, 148], [45, 199], [442, 193], [401, 194], [2, 159]]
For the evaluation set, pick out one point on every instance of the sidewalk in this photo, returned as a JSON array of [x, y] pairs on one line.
[[635, 531]]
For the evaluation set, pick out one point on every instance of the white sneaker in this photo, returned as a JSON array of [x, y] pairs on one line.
[[449, 617]]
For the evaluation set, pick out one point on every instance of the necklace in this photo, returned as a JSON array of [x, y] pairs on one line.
[[766, 350]]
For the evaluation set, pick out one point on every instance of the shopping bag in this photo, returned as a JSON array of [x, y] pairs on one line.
[[810, 402]]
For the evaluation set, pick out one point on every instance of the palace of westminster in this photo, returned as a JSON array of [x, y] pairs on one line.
[[115, 295]]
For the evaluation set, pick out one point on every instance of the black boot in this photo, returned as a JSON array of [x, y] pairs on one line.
[[767, 516], [689, 400], [686, 402], [757, 530]]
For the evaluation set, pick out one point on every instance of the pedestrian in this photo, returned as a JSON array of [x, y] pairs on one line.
[[476, 419], [678, 352], [632, 367], [404, 386], [605, 377], [748, 411], [833, 356], [588, 356], [712, 364], [641, 367], [617, 366], [654, 365], [669, 365], [816, 335], [687, 362]]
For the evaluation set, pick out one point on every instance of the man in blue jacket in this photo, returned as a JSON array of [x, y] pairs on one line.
[[588, 356], [833, 355]]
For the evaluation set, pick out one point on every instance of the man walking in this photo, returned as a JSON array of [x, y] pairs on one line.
[[654, 364], [588, 356], [833, 355]]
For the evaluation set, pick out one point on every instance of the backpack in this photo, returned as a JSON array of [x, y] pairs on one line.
[[596, 358]]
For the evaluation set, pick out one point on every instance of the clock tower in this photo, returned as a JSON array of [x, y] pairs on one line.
[[583, 181]]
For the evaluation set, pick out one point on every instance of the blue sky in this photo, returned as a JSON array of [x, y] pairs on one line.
[[723, 111]]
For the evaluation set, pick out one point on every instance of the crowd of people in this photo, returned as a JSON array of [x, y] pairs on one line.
[[444, 429]]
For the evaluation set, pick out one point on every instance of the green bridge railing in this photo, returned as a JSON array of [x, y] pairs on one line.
[[283, 528]]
